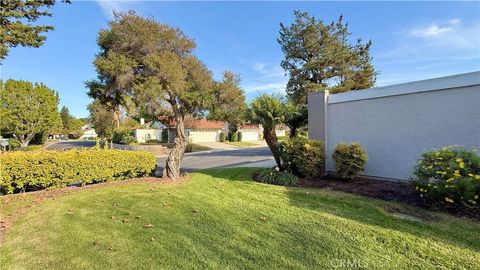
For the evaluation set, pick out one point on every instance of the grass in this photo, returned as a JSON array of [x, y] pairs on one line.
[[193, 147], [241, 144], [221, 219]]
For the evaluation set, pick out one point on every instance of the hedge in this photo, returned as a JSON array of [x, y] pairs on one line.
[[52, 169]]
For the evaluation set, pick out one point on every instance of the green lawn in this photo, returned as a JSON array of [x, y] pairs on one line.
[[241, 144], [219, 219], [197, 148]]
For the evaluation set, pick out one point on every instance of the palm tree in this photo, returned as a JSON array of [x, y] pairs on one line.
[[269, 111]]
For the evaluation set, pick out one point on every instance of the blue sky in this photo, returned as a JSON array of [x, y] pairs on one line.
[[411, 40]]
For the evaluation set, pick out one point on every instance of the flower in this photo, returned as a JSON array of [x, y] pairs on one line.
[[461, 165], [448, 200]]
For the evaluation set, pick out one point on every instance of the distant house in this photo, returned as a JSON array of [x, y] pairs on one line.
[[88, 132]]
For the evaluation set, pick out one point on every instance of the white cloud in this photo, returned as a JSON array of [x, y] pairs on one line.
[[108, 6], [267, 78], [267, 87]]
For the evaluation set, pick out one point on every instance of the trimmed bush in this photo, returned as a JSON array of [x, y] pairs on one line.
[[223, 137], [234, 137], [275, 177], [450, 175], [124, 136], [302, 156], [39, 138], [165, 135], [189, 148], [350, 160], [52, 169], [239, 136]]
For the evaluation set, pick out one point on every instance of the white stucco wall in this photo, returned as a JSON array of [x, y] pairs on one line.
[[397, 123], [204, 135], [142, 135], [249, 135]]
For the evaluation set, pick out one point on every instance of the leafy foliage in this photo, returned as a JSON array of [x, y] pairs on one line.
[[318, 56], [123, 136], [303, 157], [223, 137], [239, 136], [276, 177], [153, 66], [53, 169], [165, 135], [450, 175], [71, 125], [350, 160], [296, 116], [14, 30], [102, 119], [269, 111], [28, 109], [229, 101]]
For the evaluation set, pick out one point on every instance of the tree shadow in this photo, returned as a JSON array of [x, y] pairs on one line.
[[437, 227]]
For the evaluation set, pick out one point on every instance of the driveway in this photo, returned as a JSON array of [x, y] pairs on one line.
[[240, 157], [62, 145], [259, 156]]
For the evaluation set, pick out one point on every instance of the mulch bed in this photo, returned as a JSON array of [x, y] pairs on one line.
[[402, 192]]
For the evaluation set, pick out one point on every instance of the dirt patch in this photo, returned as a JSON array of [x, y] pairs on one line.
[[29, 199], [402, 192]]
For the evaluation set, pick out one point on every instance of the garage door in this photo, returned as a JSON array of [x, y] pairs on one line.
[[249, 135], [203, 136]]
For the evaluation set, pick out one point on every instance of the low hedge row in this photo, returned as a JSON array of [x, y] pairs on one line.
[[52, 169]]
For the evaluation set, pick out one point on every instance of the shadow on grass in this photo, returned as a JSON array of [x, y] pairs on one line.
[[444, 228]]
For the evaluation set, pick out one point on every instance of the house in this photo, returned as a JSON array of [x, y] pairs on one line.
[[88, 132]]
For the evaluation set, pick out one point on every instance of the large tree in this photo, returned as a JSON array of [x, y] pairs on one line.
[[269, 111], [28, 109], [319, 56], [154, 65], [71, 124], [16, 28], [229, 101], [101, 119]]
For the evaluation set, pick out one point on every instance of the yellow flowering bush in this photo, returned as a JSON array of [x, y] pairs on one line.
[[450, 175], [302, 156], [52, 169]]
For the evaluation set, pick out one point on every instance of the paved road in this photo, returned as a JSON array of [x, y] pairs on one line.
[[240, 157], [61, 145]]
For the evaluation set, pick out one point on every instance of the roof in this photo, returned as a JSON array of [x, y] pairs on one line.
[[203, 123]]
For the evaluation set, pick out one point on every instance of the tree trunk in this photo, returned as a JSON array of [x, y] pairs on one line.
[[23, 140], [271, 138], [172, 165]]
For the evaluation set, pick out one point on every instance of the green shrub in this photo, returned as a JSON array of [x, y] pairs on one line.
[[75, 134], [234, 137], [282, 138], [302, 156], [350, 160], [189, 148], [165, 135], [53, 169], [223, 137], [450, 175], [39, 138], [275, 177], [13, 144], [239, 136], [123, 136]]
